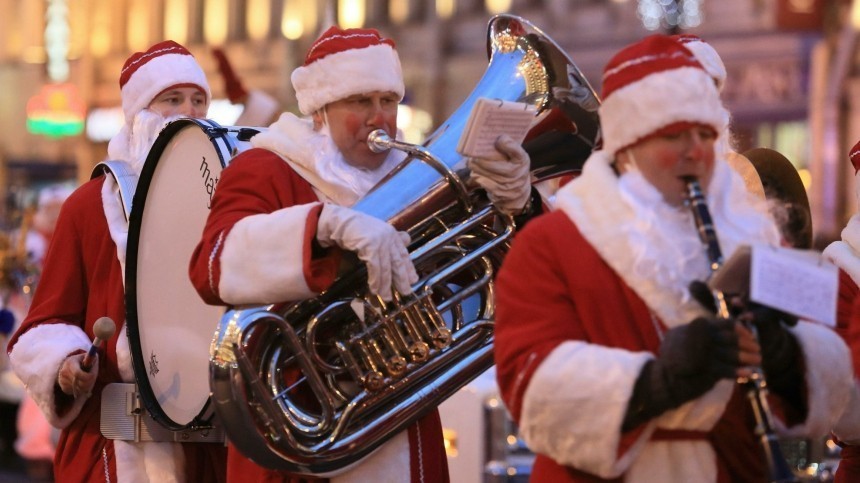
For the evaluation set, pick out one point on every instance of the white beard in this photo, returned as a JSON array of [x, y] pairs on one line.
[[315, 157], [659, 232], [133, 143], [653, 246], [333, 168]]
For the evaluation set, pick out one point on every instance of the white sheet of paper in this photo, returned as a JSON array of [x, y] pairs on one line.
[[489, 119], [799, 282]]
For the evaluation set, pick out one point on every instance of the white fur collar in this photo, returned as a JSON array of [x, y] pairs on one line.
[[130, 145], [115, 216], [316, 159], [606, 218], [846, 253]]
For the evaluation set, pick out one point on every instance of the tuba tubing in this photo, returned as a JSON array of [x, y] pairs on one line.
[[313, 387]]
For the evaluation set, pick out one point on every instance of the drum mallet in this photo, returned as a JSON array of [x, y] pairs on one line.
[[103, 330]]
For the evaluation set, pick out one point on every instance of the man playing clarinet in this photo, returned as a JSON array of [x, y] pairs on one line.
[[611, 367]]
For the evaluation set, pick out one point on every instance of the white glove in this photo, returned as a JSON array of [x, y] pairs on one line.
[[377, 244], [507, 182]]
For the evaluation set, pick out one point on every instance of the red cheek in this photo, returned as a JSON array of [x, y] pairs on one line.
[[353, 124], [667, 160]]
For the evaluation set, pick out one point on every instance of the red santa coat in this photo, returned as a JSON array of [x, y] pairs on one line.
[[847, 429], [571, 339], [81, 282], [845, 255], [256, 248]]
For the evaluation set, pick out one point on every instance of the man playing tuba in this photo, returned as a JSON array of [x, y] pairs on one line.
[[281, 216], [609, 366]]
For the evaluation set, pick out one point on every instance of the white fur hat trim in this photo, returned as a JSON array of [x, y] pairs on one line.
[[346, 73]]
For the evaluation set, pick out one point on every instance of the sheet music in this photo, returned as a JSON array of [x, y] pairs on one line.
[[491, 118], [800, 282]]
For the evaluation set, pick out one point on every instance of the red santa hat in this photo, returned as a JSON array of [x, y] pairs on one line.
[[707, 56], [342, 63], [165, 65], [854, 157], [654, 86]]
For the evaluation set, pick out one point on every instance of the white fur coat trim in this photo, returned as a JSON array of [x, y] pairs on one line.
[[847, 428], [123, 356], [263, 259], [288, 137], [118, 228], [846, 253], [36, 359], [674, 461], [149, 462], [115, 217], [557, 390], [592, 201], [388, 464], [829, 379]]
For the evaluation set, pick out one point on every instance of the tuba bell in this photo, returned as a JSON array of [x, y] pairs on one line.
[[314, 386]]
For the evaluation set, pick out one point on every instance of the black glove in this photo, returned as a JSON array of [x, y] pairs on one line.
[[702, 293], [780, 352], [692, 359], [534, 207]]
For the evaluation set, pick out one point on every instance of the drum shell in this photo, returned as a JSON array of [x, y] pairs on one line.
[[169, 327]]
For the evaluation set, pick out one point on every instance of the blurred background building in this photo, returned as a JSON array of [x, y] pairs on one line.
[[792, 82]]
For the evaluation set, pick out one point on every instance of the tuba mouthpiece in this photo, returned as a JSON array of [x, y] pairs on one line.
[[379, 141]]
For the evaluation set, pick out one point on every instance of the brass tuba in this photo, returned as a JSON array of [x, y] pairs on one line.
[[314, 386]]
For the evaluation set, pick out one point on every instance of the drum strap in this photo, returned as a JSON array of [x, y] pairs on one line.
[[125, 178], [123, 418]]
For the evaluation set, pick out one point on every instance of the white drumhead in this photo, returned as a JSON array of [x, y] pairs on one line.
[[174, 326]]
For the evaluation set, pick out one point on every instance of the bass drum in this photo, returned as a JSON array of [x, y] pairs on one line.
[[169, 327]]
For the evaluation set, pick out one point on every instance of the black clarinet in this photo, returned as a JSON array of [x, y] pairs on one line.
[[755, 385]]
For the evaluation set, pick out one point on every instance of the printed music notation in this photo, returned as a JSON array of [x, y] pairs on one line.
[[491, 118], [799, 282]]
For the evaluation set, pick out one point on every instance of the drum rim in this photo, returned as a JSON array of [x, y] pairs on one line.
[[147, 394]]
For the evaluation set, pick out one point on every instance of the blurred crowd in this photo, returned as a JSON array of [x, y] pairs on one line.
[[27, 441]]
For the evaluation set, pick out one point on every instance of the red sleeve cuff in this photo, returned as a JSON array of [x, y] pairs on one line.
[[319, 271]]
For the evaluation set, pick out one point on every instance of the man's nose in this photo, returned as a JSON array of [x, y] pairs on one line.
[[696, 144], [376, 117], [188, 109]]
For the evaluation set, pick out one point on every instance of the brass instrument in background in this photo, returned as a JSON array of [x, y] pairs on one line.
[[755, 385], [313, 387]]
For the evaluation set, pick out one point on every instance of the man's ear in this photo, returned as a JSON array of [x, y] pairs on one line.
[[623, 161], [318, 120]]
